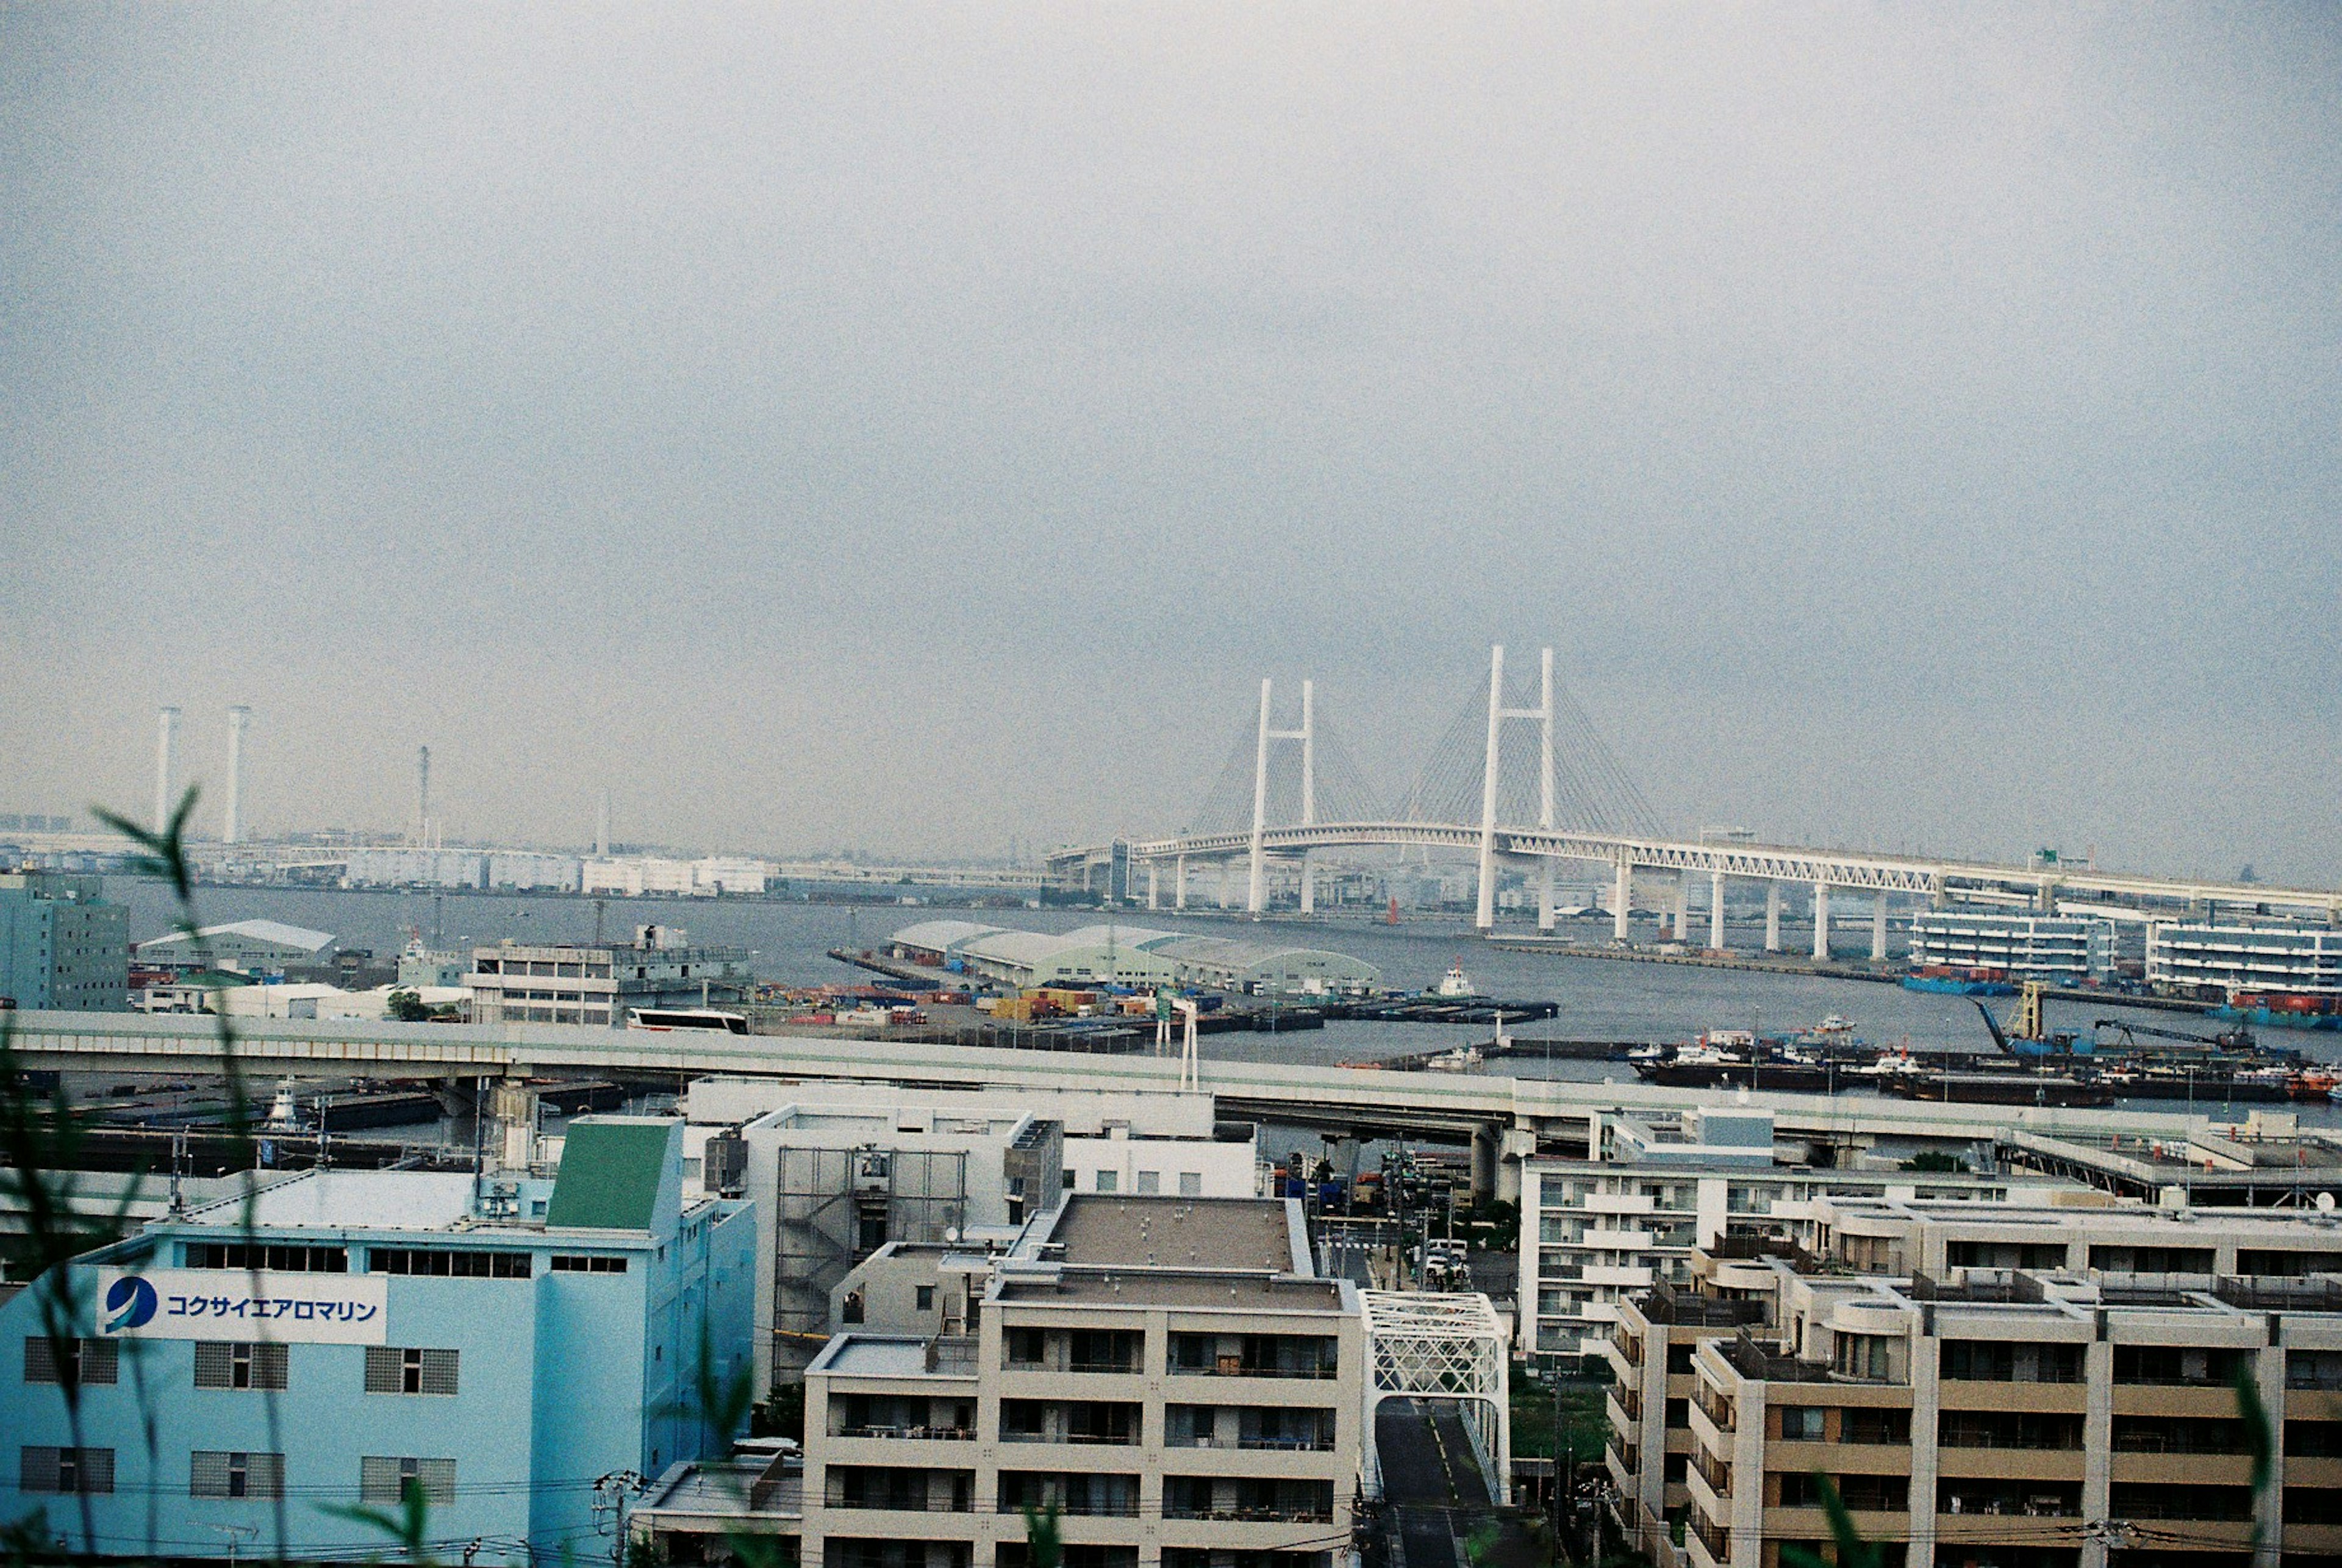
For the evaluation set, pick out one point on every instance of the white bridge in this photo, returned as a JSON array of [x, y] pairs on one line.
[[1576, 803]]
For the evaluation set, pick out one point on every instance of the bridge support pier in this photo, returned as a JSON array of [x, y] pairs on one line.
[[1486, 1141], [1683, 908], [1227, 884], [1154, 891], [1544, 897], [1772, 917], [1622, 899], [1308, 883], [1821, 921], [1179, 883], [1878, 928], [1716, 910]]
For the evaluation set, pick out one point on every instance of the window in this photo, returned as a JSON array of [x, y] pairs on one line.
[[215, 1473], [569, 1264], [386, 1480], [68, 1472], [1191, 1184], [1802, 1423], [276, 1259], [451, 1262], [221, 1364], [1150, 1181], [925, 1298], [1109, 1180], [1865, 1355], [394, 1369], [79, 1362], [1071, 1176], [849, 1312]]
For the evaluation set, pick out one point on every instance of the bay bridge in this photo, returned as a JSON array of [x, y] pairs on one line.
[[1525, 784]]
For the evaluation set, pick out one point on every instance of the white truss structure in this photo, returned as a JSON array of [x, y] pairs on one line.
[[1423, 1345]]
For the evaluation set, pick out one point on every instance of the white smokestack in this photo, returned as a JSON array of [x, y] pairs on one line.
[[166, 757], [422, 794], [232, 818]]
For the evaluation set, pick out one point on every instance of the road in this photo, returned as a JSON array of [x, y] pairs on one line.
[[1436, 1496]]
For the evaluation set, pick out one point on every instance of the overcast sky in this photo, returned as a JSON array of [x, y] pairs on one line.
[[915, 426]]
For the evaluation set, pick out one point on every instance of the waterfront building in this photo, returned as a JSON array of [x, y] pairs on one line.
[[243, 946], [527, 871], [2054, 948], [62, 945], [415, 866], [1129, 955], [1593, 1232], [635, 876], [599, 983], [2222, 961], [500, 1343], [1170, 1373]]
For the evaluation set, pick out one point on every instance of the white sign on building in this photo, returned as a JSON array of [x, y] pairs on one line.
[[236, 1304]]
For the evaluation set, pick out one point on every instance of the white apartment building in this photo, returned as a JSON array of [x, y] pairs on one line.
[[2228, 959], [1593, 1232], [2054, 948]]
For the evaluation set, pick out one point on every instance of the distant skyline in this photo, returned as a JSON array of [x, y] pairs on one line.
[[919, 429]]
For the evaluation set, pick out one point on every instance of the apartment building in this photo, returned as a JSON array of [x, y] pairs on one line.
[[2039, 1393], [499, 1344], [1593, 1232], [1170, 1374]]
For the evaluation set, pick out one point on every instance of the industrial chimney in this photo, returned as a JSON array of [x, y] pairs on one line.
[[422, 795], [166, 749], [231, 819]]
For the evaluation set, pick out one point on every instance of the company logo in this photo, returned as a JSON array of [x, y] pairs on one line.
[[131, 1302]]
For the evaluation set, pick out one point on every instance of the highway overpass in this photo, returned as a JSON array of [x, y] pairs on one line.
[[1502, 1118]]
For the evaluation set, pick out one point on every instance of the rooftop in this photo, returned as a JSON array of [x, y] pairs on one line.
[[1168, 1288], [350, 1200], [275, 931], [1132, 1233]]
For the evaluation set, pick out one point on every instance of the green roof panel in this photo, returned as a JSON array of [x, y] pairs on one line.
[[611, 1172]]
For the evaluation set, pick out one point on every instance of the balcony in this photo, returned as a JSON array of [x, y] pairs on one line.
[[1762, 1364], [927, 1433], [1690, 1309]]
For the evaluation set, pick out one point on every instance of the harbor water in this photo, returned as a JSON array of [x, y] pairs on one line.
[[1602, 999]]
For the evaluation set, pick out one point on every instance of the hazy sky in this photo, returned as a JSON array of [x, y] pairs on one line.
[[915, 426]]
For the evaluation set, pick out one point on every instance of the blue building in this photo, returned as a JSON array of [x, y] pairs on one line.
[[62, 945], [501, 1341]]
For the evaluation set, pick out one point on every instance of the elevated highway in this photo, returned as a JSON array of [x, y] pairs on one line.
[[1503, 1119]]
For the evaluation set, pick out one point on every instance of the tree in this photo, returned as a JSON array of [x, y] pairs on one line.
[[406, 1007]]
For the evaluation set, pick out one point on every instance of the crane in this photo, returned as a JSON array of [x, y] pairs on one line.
[[2240, 1039]]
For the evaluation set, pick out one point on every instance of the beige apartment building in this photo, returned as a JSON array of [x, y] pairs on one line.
[[1169, 1373], [1982, 1413]]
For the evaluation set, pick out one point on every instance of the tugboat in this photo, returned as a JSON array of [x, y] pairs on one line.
[[1456, 983]]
